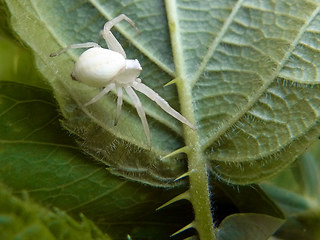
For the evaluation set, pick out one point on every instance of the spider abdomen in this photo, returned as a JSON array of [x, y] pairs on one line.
[[97, 66]]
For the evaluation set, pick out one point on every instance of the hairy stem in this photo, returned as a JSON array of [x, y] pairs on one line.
[[198, 179], [197, 167]]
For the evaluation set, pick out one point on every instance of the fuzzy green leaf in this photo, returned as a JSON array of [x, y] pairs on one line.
[[26, 220], [123, 147], [251, 68], [246, 75], [38, 157]]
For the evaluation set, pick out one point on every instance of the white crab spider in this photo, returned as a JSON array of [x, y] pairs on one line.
[[108, 68]]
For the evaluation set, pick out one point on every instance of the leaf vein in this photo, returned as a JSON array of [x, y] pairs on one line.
[[216, 42], [261, 91]]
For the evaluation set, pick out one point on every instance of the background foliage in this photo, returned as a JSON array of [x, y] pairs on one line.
[[41, 160]]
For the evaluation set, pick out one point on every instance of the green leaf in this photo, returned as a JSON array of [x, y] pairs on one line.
[[16, 61], [288, 201], [38, 157], [123, 147], [296, 191], [253, 114], [229, 199], [309, 221], [307, 170], [248, 227], [26, 220], [246, 75]]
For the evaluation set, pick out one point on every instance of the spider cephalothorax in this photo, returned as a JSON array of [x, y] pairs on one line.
[[108, 68]]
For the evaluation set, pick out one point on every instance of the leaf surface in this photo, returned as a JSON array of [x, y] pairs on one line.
[[248, 227], [27, 220], [250, 69], [250, 113], [38, 158], [296, 191], [246, 75]]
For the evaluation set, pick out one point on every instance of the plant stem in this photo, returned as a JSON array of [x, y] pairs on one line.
[[198, 178], [197, 167]]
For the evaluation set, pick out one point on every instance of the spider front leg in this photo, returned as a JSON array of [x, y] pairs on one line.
[[110, 39], [77, 45], [136, 101], [160, 101]]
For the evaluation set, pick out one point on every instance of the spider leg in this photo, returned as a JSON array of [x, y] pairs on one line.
[[108, 25], [101, 94], [77, 45], [110, 39], [113, 43], [119, 104], [160, 101], [141, 113]]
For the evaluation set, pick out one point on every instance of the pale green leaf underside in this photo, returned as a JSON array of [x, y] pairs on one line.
[[252, 67], [126, 143]]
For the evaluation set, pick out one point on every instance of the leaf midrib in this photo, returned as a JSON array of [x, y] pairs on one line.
[[197, 166]]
